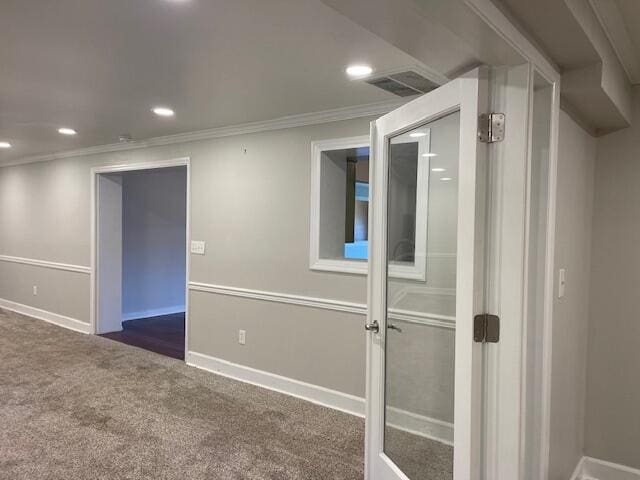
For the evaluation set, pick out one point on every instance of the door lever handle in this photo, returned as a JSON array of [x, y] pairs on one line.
[[372, 327], [391, 326]]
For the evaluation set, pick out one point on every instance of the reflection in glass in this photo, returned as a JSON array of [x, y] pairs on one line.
[[344, 204], [403, 179], [420, 337]]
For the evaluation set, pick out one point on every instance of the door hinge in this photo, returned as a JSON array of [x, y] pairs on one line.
[[486, 328], [491, 127]]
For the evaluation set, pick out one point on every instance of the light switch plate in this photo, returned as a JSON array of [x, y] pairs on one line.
[[198, 247], [562, 282]]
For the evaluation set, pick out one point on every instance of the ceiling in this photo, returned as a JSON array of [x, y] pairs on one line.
[[552, 27], [596, 44], [628, 13], [630, 10], [100, 66]]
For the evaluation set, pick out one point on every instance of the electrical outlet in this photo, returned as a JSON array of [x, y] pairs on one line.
[[198, 247], [242, 337], [35, 290]]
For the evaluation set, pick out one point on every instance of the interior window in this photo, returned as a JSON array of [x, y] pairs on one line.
[[340, 205], [344, 203], [356, 243]]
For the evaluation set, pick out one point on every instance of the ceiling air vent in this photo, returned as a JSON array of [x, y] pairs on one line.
[[403, 84]]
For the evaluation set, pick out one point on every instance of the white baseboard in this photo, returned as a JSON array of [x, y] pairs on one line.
[[594, 469], [354, 405], [155, 312], [50, 317], [417, 424], [577, 473], [306, 391]]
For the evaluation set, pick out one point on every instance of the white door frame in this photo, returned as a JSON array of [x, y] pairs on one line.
[[121, 168], [507, 441], [541, 64], [468, 94]]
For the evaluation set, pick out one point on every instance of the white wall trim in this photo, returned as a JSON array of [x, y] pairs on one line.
[[577, 472], [50, 317], [155, 312], [313, 302], [421, 425], [46, 264], [417, 271], [549, 285], [410, 422], [94, 290], [290, 121], [419, 318], [313, 393], [590, 468], [429, 319], [134, 167], [315, 262]]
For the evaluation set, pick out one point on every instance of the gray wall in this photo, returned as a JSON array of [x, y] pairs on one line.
[[613, 394], [250, 202], [333, 203], [154, 222], [576, 162]]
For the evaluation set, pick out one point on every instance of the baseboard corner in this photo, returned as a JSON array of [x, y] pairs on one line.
[[596, 469]]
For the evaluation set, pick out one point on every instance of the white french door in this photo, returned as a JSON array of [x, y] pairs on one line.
[[423, 368]]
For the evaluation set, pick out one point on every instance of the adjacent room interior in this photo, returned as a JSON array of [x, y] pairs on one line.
[[319, 239], [141, 240]]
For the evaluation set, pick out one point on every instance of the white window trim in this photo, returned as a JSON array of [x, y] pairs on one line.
[[418, 271]]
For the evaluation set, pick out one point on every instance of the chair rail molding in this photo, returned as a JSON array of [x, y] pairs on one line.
[[428, 319], [46, 264]]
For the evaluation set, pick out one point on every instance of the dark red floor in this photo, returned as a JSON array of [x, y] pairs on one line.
[[163, 335]]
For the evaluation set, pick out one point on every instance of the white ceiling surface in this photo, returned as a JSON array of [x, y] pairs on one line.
[[446, 35], [99, 66]]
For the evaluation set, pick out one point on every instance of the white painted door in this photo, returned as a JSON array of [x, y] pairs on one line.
[[423, 368]]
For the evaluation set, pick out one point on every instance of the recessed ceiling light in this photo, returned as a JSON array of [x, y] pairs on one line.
[[428, 155], [67, 131], [359, 70], [163, 111], [445, 179], [417, 134], [5, 145], [438, 169]]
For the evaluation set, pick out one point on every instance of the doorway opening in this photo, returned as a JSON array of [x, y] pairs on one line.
[[140, 255]]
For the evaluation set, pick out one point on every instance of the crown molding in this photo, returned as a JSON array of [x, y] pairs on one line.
[[291, 121]]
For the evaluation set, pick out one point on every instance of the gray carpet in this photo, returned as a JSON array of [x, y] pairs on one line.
[[74, 406], [418, 457], [80, 407]]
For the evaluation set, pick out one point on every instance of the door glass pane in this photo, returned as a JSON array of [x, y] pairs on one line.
[[420, 337]]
